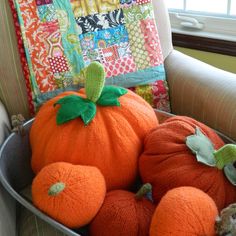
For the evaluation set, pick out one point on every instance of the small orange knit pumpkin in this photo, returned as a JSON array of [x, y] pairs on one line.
[[71, 194], [108, 137], [167, 162], [123, 213], [184, 211]]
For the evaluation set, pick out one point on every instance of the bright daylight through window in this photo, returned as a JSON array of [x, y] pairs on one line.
[[207, 18]]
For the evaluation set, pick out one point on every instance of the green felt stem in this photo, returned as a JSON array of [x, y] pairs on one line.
[[56, 188], [95, 79], [225, 155], [146, 188], [74, 106]]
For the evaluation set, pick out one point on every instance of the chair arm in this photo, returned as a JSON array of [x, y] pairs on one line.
[[7, 203], [203, 92], [4, 124]]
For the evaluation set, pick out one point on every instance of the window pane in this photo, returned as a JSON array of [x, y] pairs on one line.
[[233, 7], [175, 4], [213, 6]]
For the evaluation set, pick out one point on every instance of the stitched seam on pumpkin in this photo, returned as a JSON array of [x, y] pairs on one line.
[[71, 146], [133, 127], [104, 121], [212, 183], [136, 213], [43, 162], [225, 191], [130, 113], [170, 154], [196, 217], [146, 209], [218, 187]]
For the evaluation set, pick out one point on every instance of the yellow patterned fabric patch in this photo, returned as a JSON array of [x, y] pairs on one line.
[[88, 7], [137, 45]]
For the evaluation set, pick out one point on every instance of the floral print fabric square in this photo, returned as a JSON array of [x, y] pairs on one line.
[[47, 13], [43, 2], [62, 37]]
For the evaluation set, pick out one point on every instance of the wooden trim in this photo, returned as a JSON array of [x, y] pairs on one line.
[[204, 44]]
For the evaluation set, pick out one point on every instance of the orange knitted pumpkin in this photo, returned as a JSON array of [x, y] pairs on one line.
[[184, 211], [123, 213], [111, 139], [167, 162], [71, 194]]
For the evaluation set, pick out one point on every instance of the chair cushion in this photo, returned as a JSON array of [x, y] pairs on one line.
[[62, 39]]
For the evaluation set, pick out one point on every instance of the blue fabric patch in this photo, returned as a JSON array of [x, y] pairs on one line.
[[104, 38], [71, 45], [47, 13], [140, 77]]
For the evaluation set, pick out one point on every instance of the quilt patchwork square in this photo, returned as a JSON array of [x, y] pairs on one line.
[[58, 64], [61, 38], [121, 66], [47, 13], [43, 2], [97, 22]]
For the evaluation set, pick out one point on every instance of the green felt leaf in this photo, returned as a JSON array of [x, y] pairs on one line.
[[68, 99], [225, 155], [110, 95], [88, 115], [200, 145], [230, 173], [72, 107]]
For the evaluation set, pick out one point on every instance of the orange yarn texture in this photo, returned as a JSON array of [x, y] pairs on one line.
[[184, 211], [167, 162], [112, 142], [78, 203], [122, 214]]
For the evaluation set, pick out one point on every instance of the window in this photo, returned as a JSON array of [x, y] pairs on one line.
[[206, 18]]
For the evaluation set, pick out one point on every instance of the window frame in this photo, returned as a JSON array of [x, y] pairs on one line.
[[225, 15], [214, 27], [218, 34], [219, 46]]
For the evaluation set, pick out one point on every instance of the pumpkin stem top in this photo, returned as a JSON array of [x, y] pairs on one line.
[[146, 188], [225, 223], [225, 155], [56, 188], [94, 82], [74, 106]]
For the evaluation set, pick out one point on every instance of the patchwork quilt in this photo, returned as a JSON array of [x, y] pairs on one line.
[[62, 37]]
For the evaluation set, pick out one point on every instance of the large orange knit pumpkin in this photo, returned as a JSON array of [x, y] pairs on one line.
[[184, 211], [71, 194], [123, 213], [167, 162], [112, 141]]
